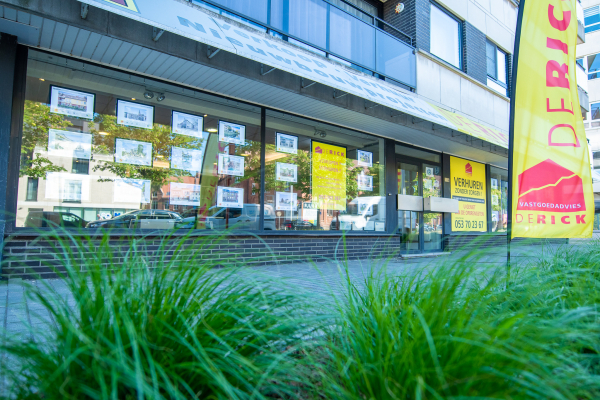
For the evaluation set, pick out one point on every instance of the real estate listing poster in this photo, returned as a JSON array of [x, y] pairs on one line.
[[329, 176], [69, 144], [232, 133], [135, 115], [231, 165], [365, 183], [365, 208], [286, 201], [72, 103], [186, 159], [230, 197], [286, 172], [184, 194], [187, 124], [365, 158], [133, 152], [135, 191], [67, 187], [467, 185], [287, 143]]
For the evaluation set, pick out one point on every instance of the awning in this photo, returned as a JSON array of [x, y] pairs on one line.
[[475, 129], [200, 25]]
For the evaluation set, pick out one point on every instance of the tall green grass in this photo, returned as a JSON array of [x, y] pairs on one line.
[[457, 332], [188, 330], [185, 330]]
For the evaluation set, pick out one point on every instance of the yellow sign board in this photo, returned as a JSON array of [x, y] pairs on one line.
[[467, 185], [552, 195], [329, 176]]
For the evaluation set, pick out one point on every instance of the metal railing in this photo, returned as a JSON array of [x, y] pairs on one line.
[[376, 47]]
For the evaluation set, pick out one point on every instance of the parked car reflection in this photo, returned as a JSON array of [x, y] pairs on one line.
[[140, 219], [50, 219], [299, 225]]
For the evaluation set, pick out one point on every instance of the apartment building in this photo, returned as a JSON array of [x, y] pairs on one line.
[[297, 121]]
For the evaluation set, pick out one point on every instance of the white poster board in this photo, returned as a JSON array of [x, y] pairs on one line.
[[187, 124], [232, 133], [186, 159], [72, 103], [67, 187], [365, 182], [69, 144], [286, 172], [135, 115], [231, 165], [287, 143], [184, 194], [365, 158], [286, 201], [133, 152], [230, 197], [135, 191]]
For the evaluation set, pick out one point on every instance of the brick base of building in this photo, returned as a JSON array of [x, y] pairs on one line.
[[34, 257], [44, 257]]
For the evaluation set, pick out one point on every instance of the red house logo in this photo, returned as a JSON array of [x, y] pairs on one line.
[[318, 150], [128, 4], [469, 169], [548, 186]]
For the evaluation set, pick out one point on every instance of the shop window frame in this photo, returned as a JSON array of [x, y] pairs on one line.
[[19, 97]]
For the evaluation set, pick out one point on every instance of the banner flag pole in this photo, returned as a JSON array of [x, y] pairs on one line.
[[511, 136]]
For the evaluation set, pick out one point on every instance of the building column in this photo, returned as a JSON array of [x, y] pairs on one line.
[[8, 57]]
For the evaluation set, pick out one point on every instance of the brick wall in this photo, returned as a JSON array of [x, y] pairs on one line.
[[30, 257], [474, 56], [481, 242], [414, 20]]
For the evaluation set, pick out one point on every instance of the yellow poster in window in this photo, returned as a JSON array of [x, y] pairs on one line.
[[467, 185], [329, 176]]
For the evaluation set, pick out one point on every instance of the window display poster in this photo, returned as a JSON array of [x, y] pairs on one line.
[[136, 191], [365, 158], [287, 143], [184, 194], [309, 212], [230, 197], [364, 207], [231, 165], [467, 185], [186, 159], [67, 187], [379, 226], [286, 172], [187, 124], [135, 115], [72, 103], [232, 133], [494, 183], [365, 182], [286, 201], [69, 144], [133, 152], [329, 176]]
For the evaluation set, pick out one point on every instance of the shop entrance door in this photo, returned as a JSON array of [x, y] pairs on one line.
[[419, 231]]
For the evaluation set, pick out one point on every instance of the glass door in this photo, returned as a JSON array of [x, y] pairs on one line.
[[419, 231], [408, 221]]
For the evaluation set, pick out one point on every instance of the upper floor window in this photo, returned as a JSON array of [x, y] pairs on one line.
[[496, 68], [445, 36], [593, 66], [592, 19]]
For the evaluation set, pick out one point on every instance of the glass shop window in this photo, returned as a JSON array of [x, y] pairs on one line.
[[322, 178], [130, 153], [499, 185]]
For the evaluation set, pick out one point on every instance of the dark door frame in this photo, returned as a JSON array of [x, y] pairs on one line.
[[419, 163]]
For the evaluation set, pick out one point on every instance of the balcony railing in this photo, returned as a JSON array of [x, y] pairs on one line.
[[346, 34]]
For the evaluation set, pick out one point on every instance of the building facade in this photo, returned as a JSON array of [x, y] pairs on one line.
[[285, 123]]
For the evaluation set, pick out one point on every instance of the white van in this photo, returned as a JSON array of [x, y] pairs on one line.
[[362, 214]]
